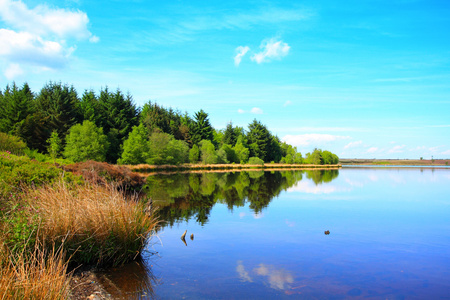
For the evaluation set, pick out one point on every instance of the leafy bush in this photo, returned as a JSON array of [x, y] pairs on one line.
[[255, 161], [17, 172], [135, 147], [12, 144], [208, 152], [194, 154], [86, 141]]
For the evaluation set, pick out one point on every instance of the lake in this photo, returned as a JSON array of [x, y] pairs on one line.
[[320, 234]]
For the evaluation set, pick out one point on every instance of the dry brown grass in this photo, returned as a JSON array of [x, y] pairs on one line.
[[95, 224], [36, 275], [104, 173]]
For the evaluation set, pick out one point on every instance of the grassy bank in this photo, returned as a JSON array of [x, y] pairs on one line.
[[144, 168], [45, 207]]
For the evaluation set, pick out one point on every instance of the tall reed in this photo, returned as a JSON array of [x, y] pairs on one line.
[[95, 224]]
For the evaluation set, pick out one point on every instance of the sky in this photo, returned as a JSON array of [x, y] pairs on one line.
[[363, 79]]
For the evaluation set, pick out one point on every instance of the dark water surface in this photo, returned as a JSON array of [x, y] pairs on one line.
[[261, 235]]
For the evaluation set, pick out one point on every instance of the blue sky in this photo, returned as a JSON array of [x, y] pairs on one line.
[[367, 79]]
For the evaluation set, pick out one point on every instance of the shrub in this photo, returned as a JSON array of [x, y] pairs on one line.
[[194, 154], [17, 172], [12, 144], [255, 161]]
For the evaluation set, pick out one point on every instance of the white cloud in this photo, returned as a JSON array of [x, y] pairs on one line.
[[94, 39], [372, 150], [13, 71], [44, 21], [272, 49], [353, 144], [24, 47], [287, 103], [447, 152], [256, 110], [241, 111], [397, 149], [241, 51], [311, 138], [37, 38]]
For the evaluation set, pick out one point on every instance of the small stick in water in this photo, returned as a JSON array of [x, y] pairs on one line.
[[183, 236], [192, 236]]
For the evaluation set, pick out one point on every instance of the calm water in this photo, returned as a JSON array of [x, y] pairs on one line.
[[261, 235]]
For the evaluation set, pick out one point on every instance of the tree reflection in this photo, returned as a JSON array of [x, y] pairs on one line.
[[182, 197]]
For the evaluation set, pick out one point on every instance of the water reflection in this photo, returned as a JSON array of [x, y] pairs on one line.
[[389, 241], [131, 281], [182, 197], [276, 278]]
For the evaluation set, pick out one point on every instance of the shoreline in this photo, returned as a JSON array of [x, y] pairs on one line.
[[394, 162], [186, 168]]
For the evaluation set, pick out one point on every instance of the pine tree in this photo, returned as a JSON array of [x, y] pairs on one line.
[[201, 128], [259, 140]]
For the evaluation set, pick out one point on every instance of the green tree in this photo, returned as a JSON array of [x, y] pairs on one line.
[[259, 140], [165, 149], [159, 119], [242, 153], [86, 141], [314, 158], [329, 158], [119, 115], [207, 152], [229, 136], [290, 154], [16, 105], [194, 154], [201, 128], [54, 145], [275, 153], [90, 108], [59, 104], [230, 154], [136, 147]]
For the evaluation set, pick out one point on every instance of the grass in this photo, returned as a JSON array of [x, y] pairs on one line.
[[35, 275], [43, 207], [94, 224]]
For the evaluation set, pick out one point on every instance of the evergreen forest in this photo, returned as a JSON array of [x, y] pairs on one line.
[[109, 127]]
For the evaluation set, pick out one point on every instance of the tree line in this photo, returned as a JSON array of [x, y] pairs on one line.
[[108, 126]]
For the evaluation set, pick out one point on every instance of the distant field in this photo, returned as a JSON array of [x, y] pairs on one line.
[[395, 162]]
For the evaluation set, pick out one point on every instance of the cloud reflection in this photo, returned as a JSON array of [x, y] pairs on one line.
[[279, 279], [243, 274], [309, 187]]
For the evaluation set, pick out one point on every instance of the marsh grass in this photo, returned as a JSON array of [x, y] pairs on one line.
[[95, 224], [39, 274]]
